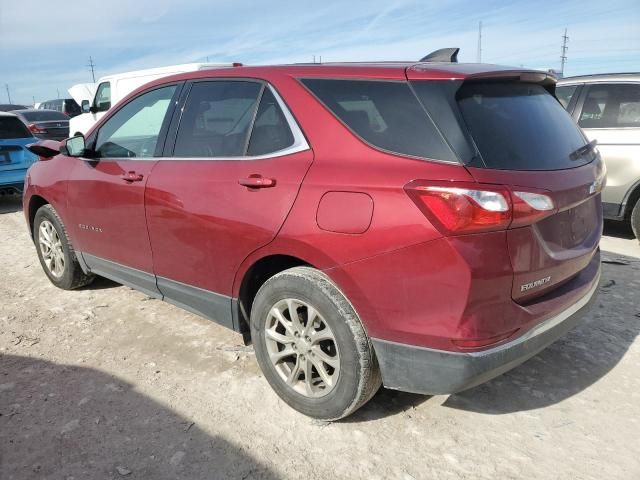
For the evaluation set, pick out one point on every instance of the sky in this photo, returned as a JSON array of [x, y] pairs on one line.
[[45, 45]]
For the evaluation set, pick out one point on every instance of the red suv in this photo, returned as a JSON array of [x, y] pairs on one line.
[[425, 226]]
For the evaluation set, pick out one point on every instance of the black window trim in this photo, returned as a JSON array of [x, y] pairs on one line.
[[300, 143], [375, 147], [586, 88], [162, 135]]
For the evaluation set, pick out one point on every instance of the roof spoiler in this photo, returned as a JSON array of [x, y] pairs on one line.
[[448, 55]]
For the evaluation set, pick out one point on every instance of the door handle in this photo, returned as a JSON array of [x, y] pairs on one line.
[[132, 177], [257, 181]]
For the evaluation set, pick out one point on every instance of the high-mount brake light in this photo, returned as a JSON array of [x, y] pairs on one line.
[[457, 208]]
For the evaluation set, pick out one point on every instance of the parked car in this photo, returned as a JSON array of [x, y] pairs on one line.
[[15, 159], [607, 107], [8, 107], [68, 106], [45, 123], [112, 88], [427, 226]]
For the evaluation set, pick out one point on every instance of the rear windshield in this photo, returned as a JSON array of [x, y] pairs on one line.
[[12, 127], [44, 115], [520, 126], [385, 114]]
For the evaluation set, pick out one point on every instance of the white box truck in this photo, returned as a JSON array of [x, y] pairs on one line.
[[96, 99]]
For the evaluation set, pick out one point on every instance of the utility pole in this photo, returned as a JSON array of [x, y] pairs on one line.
[[34, 100], [8, 93], [93, 73], [58, 91], [479, 53], [563, 52]]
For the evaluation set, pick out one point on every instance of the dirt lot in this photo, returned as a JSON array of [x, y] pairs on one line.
[[105, 383]]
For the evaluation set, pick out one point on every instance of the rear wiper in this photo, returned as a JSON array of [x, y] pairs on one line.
[[589, 147]]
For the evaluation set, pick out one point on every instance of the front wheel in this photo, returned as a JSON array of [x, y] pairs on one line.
[[55, 251], [311, 345]]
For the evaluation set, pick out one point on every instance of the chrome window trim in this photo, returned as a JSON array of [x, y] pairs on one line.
[[299, 144]]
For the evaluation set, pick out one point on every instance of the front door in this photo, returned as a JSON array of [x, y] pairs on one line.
[[234, 173], [106, 190]]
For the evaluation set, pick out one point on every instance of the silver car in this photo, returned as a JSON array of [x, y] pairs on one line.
[[607, 107]]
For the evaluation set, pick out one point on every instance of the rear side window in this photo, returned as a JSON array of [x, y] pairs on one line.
[[12, 127], [611, 106], [520, 126], [216, 119], [385, 114], [271, 131]]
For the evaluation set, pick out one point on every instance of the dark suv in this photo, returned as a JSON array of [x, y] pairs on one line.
[[426, 226]]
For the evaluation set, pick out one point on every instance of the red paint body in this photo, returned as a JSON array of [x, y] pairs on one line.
[[192, 222]]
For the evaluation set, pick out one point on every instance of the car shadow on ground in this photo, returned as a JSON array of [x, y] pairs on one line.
[[62, 421], [10, 203], [101, 283], [618, 229], [566, 368]]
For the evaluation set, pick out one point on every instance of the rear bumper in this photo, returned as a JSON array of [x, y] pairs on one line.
[[429, 371]]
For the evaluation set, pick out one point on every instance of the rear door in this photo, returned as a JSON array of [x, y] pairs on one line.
[[106, 189], [610, 114], [222, 191]]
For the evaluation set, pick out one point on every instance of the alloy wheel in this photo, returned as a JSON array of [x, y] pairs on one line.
[[302, 348], [51, 248]]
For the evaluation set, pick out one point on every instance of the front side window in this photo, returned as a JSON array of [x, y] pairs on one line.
[[102, 102], [611, 106], [133, 131], [564, 94], [385, 114], [216, 119]]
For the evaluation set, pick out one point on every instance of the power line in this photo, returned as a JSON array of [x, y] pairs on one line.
[[563, 51], [91, 65], [479, 53]]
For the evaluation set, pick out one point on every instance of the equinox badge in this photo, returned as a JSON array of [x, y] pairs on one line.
[[537, 283]]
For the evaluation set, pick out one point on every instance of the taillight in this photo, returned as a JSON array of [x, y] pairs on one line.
[[33, 128], [457, 208]]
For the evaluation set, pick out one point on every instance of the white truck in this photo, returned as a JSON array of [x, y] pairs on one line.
[[96, 99]]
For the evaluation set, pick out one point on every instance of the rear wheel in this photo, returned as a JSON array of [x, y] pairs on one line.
[[635, 220], [55, 252], [311, 346]]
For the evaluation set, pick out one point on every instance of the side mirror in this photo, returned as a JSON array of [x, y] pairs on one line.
[[73, 147], [84, 106], [45, 149]]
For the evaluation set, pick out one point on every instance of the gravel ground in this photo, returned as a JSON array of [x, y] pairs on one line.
[[104, 383]]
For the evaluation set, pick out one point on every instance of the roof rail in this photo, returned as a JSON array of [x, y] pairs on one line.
[[448, 55]]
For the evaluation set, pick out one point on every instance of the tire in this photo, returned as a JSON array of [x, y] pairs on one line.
[[350, 379], [59, 263], [635, 220]]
